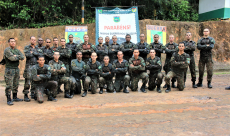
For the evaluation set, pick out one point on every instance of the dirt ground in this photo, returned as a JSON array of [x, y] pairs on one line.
[[199, 111]]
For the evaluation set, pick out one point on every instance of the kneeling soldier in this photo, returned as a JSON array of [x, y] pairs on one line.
[[137, 69], [106, 76], [41, 73], [153, 64], [179, 61]]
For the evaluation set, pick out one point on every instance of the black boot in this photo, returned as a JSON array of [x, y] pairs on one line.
[[50, 98], [173, 84], [168, 89], [101, 90], [125, 89], [143, 89], [71, 93], [15, 98], [209, 84], [9, 101], [199, 83], [26, 98], [227, 88], [67, 95], [32, 95], [151, 89], [165, 86], [84, 94], [194, 84], [158, 88], [59, 91]]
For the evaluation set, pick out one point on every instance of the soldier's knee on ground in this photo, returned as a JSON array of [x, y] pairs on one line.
[[101, 80], [126, 79], [181, 87]]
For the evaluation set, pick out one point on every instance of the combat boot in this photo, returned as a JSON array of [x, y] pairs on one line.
[[50, 98], [66, 95], [71, 93], [173, 84], [9, 101], [168, 89], [26, 98], [209, 84], [101, 90], [15, 98], [125, 89], [199, 83], [151, 89], [158, 88], [227, 88], [165, 86], [143, 89], [85, 93], [194, 84], [32, 95], [59, 91]]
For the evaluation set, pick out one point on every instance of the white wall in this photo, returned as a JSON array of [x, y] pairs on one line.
[[210, 5], [227, 3]]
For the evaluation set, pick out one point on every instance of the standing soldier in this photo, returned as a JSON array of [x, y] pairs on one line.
[[190, 47], [92, 74], [171, 48], [86, 48], [40, 43], [157, 46], [55, 45], [12, 72], [72, 46], [107, 39], [180, 61], [47, 51], [153, 64], [137, 67], [101, 50], [113, 49], [143, 47], [120, 67], [31, 52], [41, 74], [205, 45], [58, 71], [106, 76], [127, 47]]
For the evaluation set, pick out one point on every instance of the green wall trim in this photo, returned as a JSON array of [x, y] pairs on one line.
[[219, 13]]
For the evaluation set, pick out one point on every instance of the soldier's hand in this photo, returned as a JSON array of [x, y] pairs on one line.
[[116, 68], [132, 65], [31, 52], [207, 44], [55, 70], [38, 75], [15, 55], [109, 72], [63, 68]]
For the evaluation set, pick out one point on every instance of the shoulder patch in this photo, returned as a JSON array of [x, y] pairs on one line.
[[49, 68], [99, 67]]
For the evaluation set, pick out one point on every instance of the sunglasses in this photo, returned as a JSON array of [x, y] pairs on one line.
[[40, 40], [48, 42], [70, 37]]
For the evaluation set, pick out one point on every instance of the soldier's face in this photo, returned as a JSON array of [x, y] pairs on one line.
[[70, 38], [40, 41], [106, 60], [41, 61], [120, 55], [171, 38], [107, 39], [62, 42], [33, 40], [12, 43], [48, 42], [79, 55], [152, 53], [94, 57], [188, 36], [86, 38], [156, 38], [114, 39], [206, 32], [142, 37], [181, 47], [56, 55], [136, 53], [55, 41], [127, 38], [100, 40]]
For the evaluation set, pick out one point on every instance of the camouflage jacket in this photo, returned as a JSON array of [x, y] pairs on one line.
[[113, 49], [78, 68], [179, 62], [157, 47], [127, 48], [86, 50], [65, 55], [43, 72], [39, 46], [190, 47], [48, 53], [154, 65], [120, 68], [11, 60], [143, 49], [139, 65], [101, 51], [93, 69], [56, 71], [170, 49], [106, 71], [206, 51], [54, 48], [73, 47], [31, 58]]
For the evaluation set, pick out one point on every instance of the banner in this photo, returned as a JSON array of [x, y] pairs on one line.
[[154, 29], [77, 32], [119, 22]]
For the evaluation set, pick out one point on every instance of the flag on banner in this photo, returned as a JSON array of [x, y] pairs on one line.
[[77, 31], [154, 29]]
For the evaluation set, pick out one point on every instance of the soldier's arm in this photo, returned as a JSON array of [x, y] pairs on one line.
[[39, 52], [123, 49], [106, 52], [53, 71], [201, 47], [21, 55], [34, 74], [142, 65], [211, 46], [98, 51], [115, 70], [110, 49], [174, 62], [10, 55], [131, 67], [160, 50], [46, 76], [186, 62], [63, 69], [27, 52], [74, 67], [92, 48]]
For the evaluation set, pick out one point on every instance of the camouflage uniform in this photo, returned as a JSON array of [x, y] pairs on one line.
[[106, 77], [143, 49], [39, 46], [73, 47], [137, 72], [206, 57], [86, 51], [92, 75], [101, 52], [65, 57], [121, 78], [113, 53], [179, 64], [54, 48], [190, 47], [154, 66], [12, 73], [31, 59], [125, 48], [48, 53], [157, 47], [42, 82]]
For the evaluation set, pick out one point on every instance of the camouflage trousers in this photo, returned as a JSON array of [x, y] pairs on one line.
[[179, 77], [66, 81], [192, 68], [91, 80], [120, 81], [152, 79], [68, 70], [12, 80], [209, 65], [167, 68], [108, 82], [39, 90], [28, 81], [135, 79]]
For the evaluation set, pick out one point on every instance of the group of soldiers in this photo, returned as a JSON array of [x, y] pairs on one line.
[[85, 66]]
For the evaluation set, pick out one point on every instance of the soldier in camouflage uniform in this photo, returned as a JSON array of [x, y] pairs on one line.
[[93, 73], [170, 48], [156, 45], [101, 50], [127, 47], [40, 43], [153, 64], [31, 52], [106, 76], [113, 49], [137, 67], [86, 48], [205, 45], [107, 39], [72, 46], [143, 47], [41, 73], [55, 45], [58, 71], [180, 61], [190, 47], [12, 72], [120, 67], [47, 51]]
